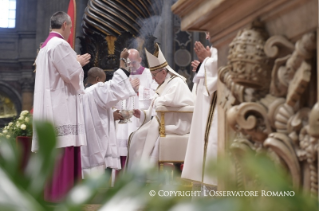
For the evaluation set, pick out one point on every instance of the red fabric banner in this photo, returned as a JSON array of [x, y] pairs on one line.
[[72, 14]]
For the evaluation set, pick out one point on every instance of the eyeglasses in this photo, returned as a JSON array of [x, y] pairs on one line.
[[133, 63], [154, 74]]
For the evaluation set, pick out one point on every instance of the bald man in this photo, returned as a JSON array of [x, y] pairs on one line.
[[95, 75], [141, 77], [101, 152], [144, 86]]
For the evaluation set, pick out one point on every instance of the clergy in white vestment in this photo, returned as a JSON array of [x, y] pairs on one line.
[[172, 91], [202, 143], [145, 87], [58, 85], [102, 150]]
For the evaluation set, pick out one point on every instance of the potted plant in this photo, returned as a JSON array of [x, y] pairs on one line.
[[20, 129]]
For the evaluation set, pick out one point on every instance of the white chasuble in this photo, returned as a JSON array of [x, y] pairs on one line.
[[58, 83], [102, 151], [202, 150], [141, 101], [174, 92]]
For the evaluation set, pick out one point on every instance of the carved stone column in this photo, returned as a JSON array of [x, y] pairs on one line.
[[27, 85]]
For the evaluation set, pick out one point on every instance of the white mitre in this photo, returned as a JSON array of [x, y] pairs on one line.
[[158, 61]]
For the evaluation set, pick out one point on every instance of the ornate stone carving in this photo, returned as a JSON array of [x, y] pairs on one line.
[[236, 89], [250, 119], [247, 73], [277, 121], [314, 121], [248, 63], [278, 46], [227, 100], [298, 84], [239, 147], [279, 78], [283, 117], [281, 145]]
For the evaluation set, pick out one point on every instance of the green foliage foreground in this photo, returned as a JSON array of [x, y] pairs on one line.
[[132, 191]]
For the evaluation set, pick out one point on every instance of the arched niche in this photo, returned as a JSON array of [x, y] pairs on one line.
[[10, 103]]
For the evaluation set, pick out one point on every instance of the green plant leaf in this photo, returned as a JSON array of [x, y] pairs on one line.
[[42, 162]]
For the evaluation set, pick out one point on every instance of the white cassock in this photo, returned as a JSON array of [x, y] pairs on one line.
[[142, 101], [102, 151], [143, 143], [58, 83], [204, 121]]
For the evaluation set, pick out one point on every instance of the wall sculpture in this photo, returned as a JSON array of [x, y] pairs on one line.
[[272, 84]]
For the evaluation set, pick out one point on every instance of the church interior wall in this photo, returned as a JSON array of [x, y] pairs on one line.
[[18, 49], [18, 46]]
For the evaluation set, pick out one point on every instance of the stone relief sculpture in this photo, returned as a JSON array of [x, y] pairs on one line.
[[272, 82]]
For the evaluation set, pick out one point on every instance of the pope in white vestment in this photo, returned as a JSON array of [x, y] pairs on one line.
[[202, 143], [102, 150], [173, 92]]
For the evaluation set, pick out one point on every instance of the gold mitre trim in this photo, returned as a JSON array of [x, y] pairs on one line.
[[158, 66], [156, 61]]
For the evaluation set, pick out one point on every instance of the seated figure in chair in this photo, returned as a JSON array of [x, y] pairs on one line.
[[171, 92]]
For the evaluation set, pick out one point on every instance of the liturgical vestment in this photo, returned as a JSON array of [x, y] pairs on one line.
[[102, 150], [58, 85], [141, 100], [174, 92], [202, 143]]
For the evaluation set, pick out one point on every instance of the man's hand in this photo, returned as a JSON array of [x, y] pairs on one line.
[[124, 55], [201, 51], [83, 59], [135, 82], [195, 64], [137, 113], [117, 115]]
